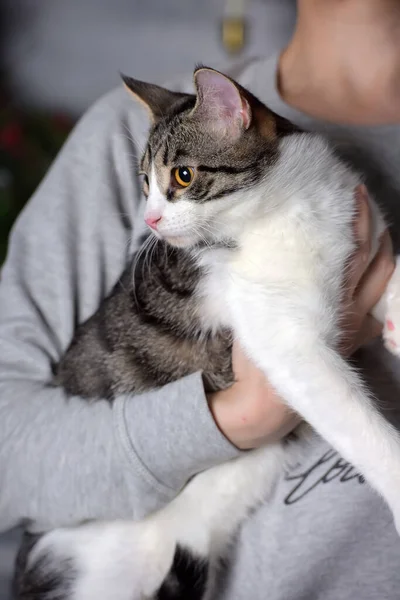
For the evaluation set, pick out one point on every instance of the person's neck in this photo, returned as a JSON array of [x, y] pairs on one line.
[[306, 88], [344, 71]]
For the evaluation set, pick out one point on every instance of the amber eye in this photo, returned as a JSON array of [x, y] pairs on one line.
[[183, 176]]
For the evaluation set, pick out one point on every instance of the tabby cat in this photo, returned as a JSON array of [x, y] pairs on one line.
[[252, 227]]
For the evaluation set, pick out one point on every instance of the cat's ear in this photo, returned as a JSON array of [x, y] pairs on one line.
[[230, 109], [220, 103], [157, 100]]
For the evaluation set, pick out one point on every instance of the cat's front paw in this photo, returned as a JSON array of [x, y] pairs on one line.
[[391, 327], [99, 561]]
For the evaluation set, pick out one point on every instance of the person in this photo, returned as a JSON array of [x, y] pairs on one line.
[[325, 534]]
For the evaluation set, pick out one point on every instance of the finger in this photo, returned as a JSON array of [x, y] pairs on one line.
[[362, 231], [362, 223], [368, 330], [376, 278]]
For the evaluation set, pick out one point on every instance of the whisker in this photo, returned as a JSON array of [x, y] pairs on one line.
[[135, 142], [151, 253], [146, 260], [197, 231], [144, 248]]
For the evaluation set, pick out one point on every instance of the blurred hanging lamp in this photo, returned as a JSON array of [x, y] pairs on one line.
[[234, 26]]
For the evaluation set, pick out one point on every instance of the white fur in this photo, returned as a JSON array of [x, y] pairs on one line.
[[156, 201], [280, 292]]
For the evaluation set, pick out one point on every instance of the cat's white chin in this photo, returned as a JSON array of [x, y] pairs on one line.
[[179, 241]]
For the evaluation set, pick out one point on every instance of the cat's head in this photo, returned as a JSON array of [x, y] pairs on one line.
[[205, 158]]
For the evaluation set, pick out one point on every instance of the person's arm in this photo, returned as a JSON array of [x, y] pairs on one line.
[[63, 460]]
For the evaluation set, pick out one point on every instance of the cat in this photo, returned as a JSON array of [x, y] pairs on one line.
[[252, 227]]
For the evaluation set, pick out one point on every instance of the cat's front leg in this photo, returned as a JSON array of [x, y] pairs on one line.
[[320, 385]]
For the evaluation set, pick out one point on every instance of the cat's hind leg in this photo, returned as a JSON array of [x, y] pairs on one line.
[[166, 555], [71, 564], [111, 561]]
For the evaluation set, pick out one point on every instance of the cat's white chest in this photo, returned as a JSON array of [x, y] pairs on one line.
[[276, 250], [275, 259], [213, 293]]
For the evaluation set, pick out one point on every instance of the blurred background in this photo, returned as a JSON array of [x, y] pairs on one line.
[[58, 56]]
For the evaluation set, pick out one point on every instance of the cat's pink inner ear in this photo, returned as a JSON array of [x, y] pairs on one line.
[[220, 101]]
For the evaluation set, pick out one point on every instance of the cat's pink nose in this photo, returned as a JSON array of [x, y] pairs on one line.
[[152, 221]]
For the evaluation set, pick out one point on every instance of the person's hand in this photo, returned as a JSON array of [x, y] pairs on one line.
[[364, 286], [250, 414], [343, 62]]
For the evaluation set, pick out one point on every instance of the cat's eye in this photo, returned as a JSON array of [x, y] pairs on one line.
[[145, 179], [182, 176]]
